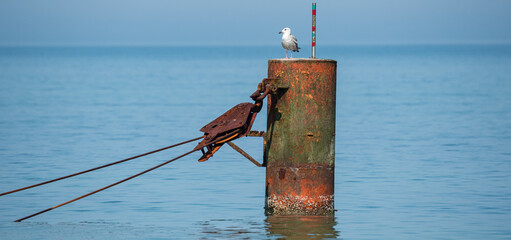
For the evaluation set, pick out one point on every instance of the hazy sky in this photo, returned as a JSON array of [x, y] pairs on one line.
[[230, 22]]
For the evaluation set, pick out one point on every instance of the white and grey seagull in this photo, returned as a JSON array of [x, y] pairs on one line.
[[289, 41]]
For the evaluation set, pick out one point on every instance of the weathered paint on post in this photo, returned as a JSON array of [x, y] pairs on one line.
[[300, 140]]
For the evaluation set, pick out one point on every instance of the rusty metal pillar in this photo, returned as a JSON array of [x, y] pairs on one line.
[[299, 150]]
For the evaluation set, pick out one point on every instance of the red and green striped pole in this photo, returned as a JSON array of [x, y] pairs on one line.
[[313, 30]]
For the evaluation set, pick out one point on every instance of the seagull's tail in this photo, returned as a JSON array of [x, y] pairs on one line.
[[298, 49]]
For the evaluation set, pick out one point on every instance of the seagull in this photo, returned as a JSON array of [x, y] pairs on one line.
[[289, 41]]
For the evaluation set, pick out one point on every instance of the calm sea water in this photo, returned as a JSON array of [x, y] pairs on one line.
[[423, 148]]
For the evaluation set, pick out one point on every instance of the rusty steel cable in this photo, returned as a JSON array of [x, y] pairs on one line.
[[104, 188], [229, 132], [100, 167]]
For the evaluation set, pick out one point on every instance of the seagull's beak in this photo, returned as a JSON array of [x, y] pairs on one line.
[[280, 32]]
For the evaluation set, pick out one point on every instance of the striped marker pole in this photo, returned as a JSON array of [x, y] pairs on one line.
[[313, 30]]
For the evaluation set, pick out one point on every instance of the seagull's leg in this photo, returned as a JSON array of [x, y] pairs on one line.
[[286, 53], [291, 53]]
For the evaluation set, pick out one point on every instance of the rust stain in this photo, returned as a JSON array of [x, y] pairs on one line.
[[282, 173]]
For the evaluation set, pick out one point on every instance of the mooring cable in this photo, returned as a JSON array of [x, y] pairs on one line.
[[97, 168], [109, 186]]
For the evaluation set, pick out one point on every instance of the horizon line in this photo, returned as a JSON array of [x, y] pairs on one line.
[[247, 45]]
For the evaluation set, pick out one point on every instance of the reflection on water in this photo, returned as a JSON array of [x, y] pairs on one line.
[[302, 227], [272, 227]]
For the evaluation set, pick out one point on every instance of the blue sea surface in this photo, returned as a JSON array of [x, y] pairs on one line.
[[423, 143]]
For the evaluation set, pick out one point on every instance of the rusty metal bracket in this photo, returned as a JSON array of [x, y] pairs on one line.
[[235, 123], [256, 134], [231, 125], [275, 84], [250, 158]]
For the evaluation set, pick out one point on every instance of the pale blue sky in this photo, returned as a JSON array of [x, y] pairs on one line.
[[229, 22]]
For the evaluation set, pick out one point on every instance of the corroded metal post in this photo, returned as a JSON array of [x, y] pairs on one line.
[[300, 140]]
